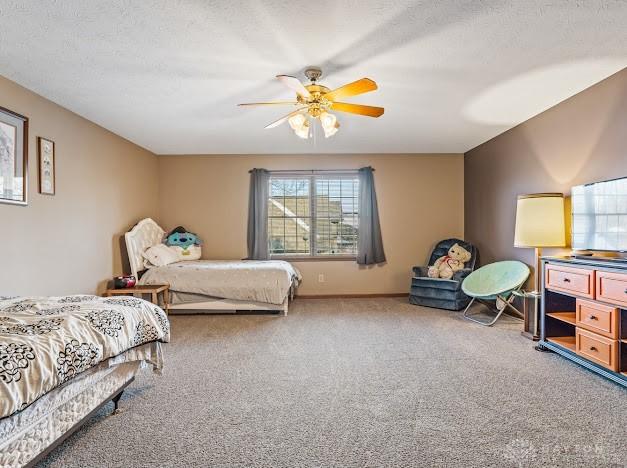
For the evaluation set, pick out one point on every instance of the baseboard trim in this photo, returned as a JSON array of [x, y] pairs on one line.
[[349, 296]]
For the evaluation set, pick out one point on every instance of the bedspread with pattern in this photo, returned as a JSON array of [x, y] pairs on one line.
[[46, 341]]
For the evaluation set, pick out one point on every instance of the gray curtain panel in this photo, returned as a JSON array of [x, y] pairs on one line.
[[370, 245], [258, 215]]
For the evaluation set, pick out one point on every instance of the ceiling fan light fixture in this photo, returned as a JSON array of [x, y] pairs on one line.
[[328, 121], [303, 131], [297, 121], [331, 131]]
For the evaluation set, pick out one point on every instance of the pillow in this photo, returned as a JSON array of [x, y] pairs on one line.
[[193, 252], [160, 255]]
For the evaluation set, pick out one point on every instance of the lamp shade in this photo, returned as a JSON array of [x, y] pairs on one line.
[[540, 220]]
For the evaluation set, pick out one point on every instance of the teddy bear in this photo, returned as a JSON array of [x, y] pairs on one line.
[[447, 265]]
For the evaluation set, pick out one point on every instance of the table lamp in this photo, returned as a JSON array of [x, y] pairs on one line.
[[540, 223]]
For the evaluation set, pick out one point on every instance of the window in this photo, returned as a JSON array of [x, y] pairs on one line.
[[313, 215]]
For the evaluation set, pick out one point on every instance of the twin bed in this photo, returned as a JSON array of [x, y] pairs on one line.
[[62, 359], [212, 285]]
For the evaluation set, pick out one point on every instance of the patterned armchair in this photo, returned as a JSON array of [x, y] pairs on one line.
[[442, 293]]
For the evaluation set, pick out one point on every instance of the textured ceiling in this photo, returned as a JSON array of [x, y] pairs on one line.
[[167, 74]]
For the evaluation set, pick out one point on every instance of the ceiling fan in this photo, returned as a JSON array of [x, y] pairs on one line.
[[315, 101]]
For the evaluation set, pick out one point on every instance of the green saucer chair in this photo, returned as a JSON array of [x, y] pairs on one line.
[[494, 282]]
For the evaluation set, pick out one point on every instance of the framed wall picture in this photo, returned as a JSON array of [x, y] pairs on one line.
[[13, 157], [45, 150]]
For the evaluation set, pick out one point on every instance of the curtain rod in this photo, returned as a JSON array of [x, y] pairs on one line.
[[312, 171]]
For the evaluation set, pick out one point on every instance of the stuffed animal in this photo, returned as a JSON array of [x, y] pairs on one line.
[[447, 265], [185, 243]]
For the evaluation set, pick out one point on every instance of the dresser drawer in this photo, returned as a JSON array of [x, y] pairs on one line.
[[612, 287], [577, 281], [597, 348], [599, 318]]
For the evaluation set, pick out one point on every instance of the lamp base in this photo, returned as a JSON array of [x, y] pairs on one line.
[[531, 311]]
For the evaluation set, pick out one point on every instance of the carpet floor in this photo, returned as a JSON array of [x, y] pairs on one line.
[[359, 382]]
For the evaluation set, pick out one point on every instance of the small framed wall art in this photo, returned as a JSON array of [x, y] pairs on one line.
[[13, 157], [45, 150]]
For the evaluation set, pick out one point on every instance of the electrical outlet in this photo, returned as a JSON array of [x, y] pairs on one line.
[[320, 278]]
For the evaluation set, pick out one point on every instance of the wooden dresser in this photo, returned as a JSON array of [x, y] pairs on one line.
[[584, 313]]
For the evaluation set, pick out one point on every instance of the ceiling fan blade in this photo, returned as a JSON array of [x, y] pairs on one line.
[[276, 123], [369, 111], [294, 84], [365, 85], [271, 103]]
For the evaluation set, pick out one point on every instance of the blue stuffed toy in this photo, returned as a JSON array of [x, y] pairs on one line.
[[180, 237]]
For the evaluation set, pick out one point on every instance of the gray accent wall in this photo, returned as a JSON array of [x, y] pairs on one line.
[[580, 140]]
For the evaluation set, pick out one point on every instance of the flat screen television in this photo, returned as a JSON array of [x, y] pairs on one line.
[[599, 216]]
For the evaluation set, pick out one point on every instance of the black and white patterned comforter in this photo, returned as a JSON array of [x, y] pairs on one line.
[[46, 341]]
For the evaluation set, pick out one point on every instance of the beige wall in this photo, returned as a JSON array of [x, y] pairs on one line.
[[420, 202], [69, 243], [581, 140]]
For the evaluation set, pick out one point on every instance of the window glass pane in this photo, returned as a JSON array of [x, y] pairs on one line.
[[322, 245], [303, 188], [347, 236], [335, 188], [335, 234], [276, 235], [288, 212], [335, 208], [322, 206], [350, 225], [323, 227], [277, 188], [290, 227], [291, 245], [347, 188], [348, 246], [303, 227], [302, 237], [275, 207], [302, 206], [322, 187]]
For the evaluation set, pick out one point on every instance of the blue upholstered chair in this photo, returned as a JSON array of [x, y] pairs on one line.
[[438, 292]]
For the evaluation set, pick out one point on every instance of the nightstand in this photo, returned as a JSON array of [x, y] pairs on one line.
[[154, 290]]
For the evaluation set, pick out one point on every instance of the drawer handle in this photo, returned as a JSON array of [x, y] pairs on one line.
[[566, 280], [592, 348], [592, 317]]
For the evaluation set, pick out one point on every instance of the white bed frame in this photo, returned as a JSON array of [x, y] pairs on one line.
[[147, 233]]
